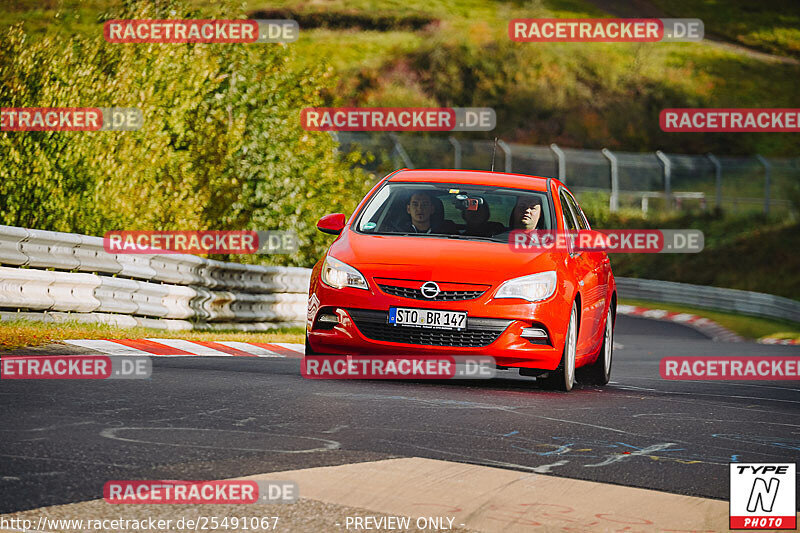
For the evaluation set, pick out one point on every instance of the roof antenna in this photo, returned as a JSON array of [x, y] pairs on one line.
[[494, 151]]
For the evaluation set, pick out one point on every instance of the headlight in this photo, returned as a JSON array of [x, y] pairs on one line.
[[532, 288], [338, 274]]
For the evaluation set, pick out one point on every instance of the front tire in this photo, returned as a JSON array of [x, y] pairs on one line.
[[309, 350], [563, 377], [599, 372]]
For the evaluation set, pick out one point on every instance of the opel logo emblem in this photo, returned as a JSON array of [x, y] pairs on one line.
[[429, 289]]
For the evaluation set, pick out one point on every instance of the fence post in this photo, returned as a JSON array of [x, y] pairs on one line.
[[562, 162], [456, 151], [507, 151], [401, 151], [613, 203], [767, 173], [717, 176], [665, 162]]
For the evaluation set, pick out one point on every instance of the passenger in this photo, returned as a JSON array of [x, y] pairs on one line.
[[478, 224], [527, 213]]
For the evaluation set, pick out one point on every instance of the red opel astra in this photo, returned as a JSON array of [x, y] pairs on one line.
[[425, 266]]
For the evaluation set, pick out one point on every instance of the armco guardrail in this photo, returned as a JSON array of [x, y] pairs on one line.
[[60, 273], [704, 297], [179, 291]]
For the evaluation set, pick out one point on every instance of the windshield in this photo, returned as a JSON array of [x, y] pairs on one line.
[[453, 210]]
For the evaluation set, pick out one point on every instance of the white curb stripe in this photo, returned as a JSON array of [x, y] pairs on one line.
[[299, 348], [106, 347]]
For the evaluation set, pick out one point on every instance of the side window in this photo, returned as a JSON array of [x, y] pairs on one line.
[[579, 216], [566, 211]]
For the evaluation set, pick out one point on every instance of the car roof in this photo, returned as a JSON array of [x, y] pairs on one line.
[[471, 177]]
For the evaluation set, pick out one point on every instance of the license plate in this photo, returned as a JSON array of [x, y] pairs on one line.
[[431, 318]]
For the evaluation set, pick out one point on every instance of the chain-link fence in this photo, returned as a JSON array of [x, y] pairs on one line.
[[646, 181]]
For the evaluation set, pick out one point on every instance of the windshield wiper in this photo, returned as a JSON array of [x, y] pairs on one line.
[[411, 233], [473, 238], [443, 235]]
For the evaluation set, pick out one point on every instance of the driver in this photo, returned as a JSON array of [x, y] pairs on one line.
[[421, 208], [527, 213]]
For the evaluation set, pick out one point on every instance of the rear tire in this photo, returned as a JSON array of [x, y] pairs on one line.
[[599, 372], [563, 377]]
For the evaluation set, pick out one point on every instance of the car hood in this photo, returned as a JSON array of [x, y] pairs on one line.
[[438, 259]]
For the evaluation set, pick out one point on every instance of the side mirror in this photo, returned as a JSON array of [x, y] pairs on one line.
[[331, 224]]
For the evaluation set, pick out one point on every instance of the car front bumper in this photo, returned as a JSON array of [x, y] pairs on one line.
[[494, 327]]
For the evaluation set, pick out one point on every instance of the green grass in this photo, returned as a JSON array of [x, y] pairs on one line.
[[348, 51], [769, 25], [746, 326], [752, 258], [19, 333], [746, 251], [588, 95]]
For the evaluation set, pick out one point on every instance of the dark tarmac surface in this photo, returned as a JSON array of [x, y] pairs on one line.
[[211, 418]]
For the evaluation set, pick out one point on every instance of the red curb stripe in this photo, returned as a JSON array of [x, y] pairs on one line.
[[155, 348]]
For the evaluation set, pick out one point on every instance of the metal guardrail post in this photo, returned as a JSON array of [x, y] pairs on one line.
[[665, 162], [717, 176], [456, 151], [401, 151], [562, 162], [507, 151], [767, 176], [613, 203]]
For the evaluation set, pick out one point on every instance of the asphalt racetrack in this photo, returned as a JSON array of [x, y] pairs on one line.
[[215, 418]]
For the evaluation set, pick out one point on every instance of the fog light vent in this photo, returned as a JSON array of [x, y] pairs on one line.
[[533, 333], [328, 319]]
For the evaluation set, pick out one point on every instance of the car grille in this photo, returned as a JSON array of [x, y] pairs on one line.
[[479, 332], [416, 294]]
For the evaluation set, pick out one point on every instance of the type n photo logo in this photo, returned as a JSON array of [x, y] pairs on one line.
[[763, 496]]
